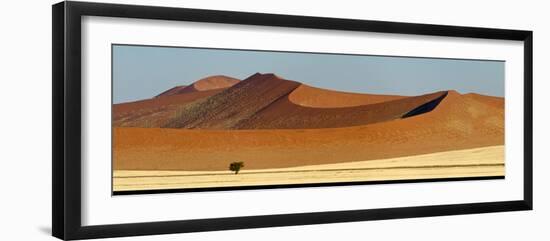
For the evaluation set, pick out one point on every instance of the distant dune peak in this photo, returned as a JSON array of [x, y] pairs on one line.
[[208, 83], [214, 82]]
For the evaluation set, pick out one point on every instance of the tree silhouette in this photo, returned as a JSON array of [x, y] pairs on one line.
[[236, 167]]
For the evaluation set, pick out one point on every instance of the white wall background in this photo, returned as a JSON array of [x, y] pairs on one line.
[[25, 125]]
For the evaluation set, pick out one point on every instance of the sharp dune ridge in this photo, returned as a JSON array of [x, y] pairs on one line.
[[267, 101]]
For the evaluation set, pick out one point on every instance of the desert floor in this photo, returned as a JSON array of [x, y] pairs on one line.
[[475, 162]]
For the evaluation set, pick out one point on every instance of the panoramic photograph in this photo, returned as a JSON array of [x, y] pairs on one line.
[[191, 119]]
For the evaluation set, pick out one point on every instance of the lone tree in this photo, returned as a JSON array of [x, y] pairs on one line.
[[236, 167]]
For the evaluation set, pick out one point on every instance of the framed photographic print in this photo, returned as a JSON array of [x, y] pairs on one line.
[[164, 117]]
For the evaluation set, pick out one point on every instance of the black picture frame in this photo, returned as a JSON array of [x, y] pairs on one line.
[[66, 127]]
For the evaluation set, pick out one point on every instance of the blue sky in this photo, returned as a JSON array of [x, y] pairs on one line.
[[141, 72]]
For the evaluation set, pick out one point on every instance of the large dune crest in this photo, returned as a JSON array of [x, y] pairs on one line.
[[267, 101]]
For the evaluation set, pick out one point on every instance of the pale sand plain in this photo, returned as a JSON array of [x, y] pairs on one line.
[[475, 162]]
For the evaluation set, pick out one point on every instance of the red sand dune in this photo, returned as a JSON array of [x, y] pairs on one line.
[[266, 101], [458, 122], [263, 101], [208, 83], [440, 121]]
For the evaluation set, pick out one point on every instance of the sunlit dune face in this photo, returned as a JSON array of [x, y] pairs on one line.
[[322, 98]]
